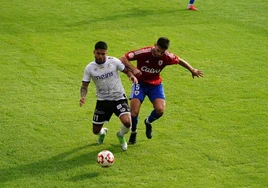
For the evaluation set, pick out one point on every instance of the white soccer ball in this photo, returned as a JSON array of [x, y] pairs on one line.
[[105, 158]]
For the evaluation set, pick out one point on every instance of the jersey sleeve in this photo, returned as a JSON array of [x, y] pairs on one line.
[[130, 56], [120, 66], [87, 76], [172, 58], [136, 54]]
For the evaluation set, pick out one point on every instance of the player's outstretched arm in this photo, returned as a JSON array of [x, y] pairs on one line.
[[195, 72]]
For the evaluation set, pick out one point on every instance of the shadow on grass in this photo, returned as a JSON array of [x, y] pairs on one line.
[[61, 162], [134, 13], [84, 176]]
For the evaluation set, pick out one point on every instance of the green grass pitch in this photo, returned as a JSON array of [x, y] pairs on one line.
[[213, 133]]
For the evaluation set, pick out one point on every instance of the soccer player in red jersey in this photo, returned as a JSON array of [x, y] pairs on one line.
[[150, 62]]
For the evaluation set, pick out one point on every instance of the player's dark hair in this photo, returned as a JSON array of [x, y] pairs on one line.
[[101, 45], [163, 42]]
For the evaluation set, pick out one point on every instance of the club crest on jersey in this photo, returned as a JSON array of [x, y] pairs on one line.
[[160, 62], [131, 55], [136, 93]]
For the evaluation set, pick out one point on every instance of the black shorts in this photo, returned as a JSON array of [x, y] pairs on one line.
[[105, 109]]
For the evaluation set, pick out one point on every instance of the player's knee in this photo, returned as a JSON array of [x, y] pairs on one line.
[[134, 113], [127, 124], [160, 111], [126, 120], [96, 130]]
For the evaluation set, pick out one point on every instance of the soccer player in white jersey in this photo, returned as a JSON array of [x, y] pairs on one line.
[[111, 96], [151, 60]]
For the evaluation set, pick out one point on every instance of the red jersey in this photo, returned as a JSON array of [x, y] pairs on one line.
[[149, 65]]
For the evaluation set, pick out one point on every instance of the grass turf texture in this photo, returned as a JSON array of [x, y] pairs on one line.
[[213, 133]]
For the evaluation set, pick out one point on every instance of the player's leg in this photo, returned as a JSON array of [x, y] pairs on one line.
[[122, 110], [157, 97], [101, 131], [135, 105], [191, 2], [101, 115], [126, 124], [137, 96], [159, 108]]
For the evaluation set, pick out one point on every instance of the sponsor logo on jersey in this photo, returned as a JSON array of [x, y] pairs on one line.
[[103, 76], [119, 106], [150, 70]]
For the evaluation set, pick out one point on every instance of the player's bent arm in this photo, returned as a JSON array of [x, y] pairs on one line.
[[130, 75], [127, 63]]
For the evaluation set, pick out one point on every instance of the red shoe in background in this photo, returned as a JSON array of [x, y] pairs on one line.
[[192, 7]]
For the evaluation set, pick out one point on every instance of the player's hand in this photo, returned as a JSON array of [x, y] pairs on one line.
[[197, 73], [133, 79], [137, 72], [82, 101]]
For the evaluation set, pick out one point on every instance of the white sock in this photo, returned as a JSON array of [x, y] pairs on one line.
[[102, 132], [124, 130]]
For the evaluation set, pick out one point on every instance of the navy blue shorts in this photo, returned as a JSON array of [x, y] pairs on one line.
[[141, 90]]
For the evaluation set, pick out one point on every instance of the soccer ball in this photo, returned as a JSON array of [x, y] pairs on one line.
[[105, 158]]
